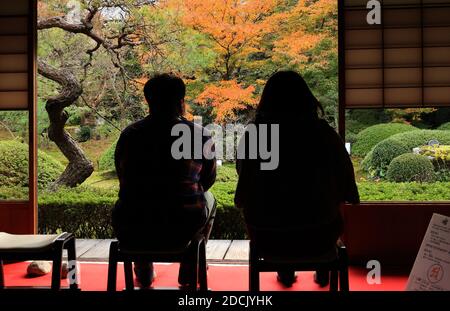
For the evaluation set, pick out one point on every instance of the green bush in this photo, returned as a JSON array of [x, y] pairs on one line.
[[419, 138], [436, 151], [439, 156], [106, 160], [14, 166], [444, 127], [84, 133], [442, 175], [410, 167], [368, 138], [367, 162], [76, 114], [401, 143], [380, 157], [86, 212]]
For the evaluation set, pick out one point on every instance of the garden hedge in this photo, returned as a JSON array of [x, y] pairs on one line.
[[410, 167], [408, 191], [14, 166], [377, 166], [86, 212], [369, 137]]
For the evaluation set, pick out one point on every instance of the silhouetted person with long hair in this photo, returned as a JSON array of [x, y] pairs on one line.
[[163, 199], [314, 176]]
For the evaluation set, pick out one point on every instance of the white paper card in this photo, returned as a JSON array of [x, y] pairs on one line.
[[431, 270]]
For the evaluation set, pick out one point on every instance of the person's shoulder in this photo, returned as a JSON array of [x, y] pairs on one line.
[[196, 127], [329, 131], [135, 127], [326, 127]]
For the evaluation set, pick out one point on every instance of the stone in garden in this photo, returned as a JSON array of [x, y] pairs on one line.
[[39, 268], [433, 142]]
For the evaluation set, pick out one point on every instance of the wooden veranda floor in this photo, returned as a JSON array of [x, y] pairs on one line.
[[225, 251]]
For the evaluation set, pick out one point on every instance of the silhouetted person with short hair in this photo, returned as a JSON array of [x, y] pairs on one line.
[[163, 201], [314, 176]]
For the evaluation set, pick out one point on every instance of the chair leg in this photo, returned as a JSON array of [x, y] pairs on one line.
[[254, 278], [128, 269], [195, 267], [72, 263], [203, 274], [2, 277], [112, 266], [56, 269], [333, 280], [253, 270], [344, 285]]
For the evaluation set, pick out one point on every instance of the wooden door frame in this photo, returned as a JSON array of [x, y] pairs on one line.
[[28, 208]]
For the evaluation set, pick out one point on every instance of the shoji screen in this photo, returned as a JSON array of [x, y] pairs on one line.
[[402, 62], [14, 58]]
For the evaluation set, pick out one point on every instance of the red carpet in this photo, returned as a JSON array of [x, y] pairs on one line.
[[220, 278]]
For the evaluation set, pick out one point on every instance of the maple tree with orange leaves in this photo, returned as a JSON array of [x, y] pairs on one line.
[[227, 98], [304, 27], [235, 27]]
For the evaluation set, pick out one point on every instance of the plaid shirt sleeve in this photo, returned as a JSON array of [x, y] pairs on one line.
[[201, 176]]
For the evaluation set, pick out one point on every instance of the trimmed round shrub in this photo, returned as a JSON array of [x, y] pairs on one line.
[[444, 127], [383, 154], [368, 138], [106, 160], [419, 138], [366, 162], [14, 166], [376, 161], [410, 167]]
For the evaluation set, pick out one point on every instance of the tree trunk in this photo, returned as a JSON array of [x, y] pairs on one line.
[[79, 167]]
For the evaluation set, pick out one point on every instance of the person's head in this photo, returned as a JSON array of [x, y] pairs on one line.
[[286, 96], [164, 94]]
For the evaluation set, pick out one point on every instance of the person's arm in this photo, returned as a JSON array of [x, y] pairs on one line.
[[208, 172], [351, 194], [121, 158], [245, 172], [349, 188]]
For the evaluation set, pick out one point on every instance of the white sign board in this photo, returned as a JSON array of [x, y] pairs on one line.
[[431, 270]]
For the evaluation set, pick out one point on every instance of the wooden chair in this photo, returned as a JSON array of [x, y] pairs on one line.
[[335, 261], [39, 247], [196, 248]]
